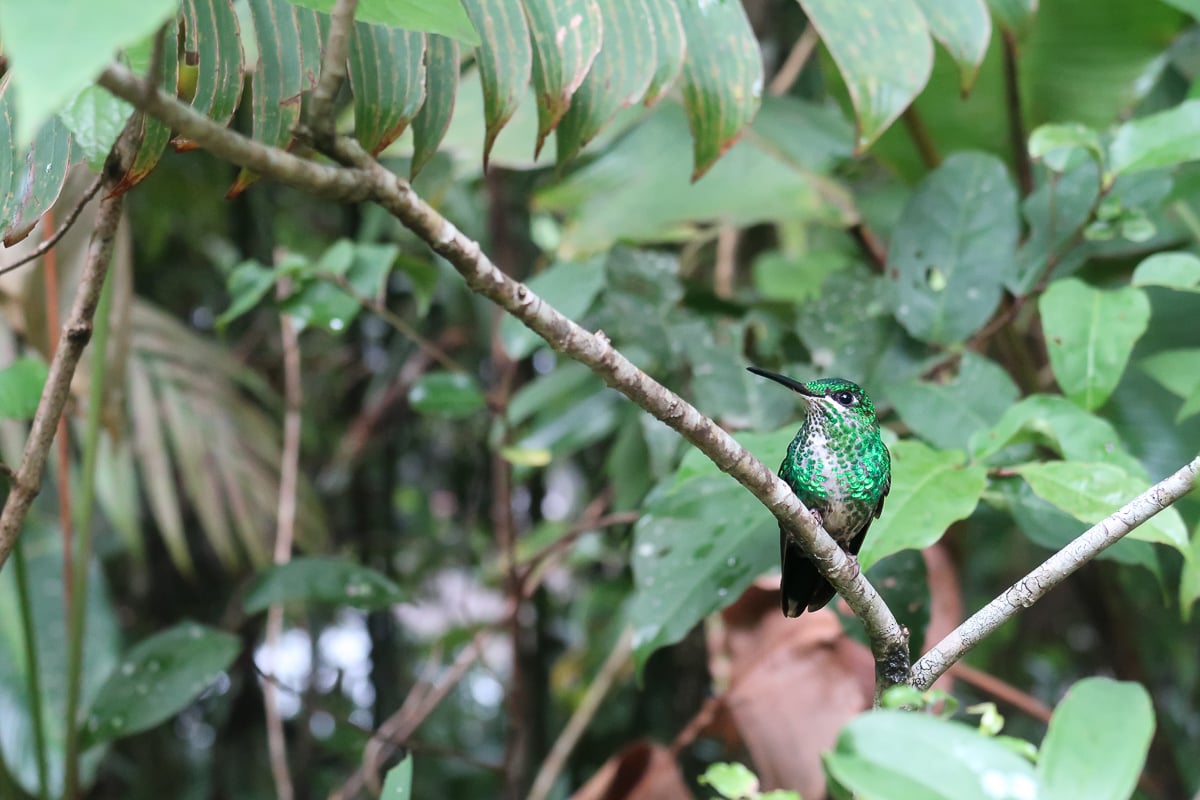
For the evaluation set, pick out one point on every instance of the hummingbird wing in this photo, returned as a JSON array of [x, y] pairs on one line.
[[802, 586]]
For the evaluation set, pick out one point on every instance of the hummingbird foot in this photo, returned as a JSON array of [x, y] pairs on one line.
[[816, 517]]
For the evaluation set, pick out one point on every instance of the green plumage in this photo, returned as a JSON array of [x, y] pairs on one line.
[[840, 468]]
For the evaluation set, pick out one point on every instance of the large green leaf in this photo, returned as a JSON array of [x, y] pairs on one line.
[[699, 543], [1089, 336], [669, 44], [1096, 742], [618, 78], [505, 60], [46, 71], [430, 16], [606, 202], [446, 394], [937, 760], [1057, 423], [212, 58], [1055, 213], [722, 77], [95, 119], [387, 74], [441, 86], [930, 490], [37, 182], [883, 50], [1091, 492], [154, 134], [946, 414], [964, 28], [158, 678], [1159, 140], [953, 249], [566, 39], [1179, 271], [328, 581], [101, 648]]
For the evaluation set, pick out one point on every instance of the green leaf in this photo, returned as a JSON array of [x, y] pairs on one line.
[[946, 414], [1054, 142], [429, 16], [1097, 741], [95, 119], [722, 77], [1189, 579], [37, 182], [1091, 492], [1013, 15], [387, 75], [1179, 372], [796, 278], [930, 490], [398, 783], [154, 135], [1158, 140], [441, 85], [903, 582], [248, 284], [618, 77], [939, 760], [670, 47], [569, 286], [953, 249], [21, 384], [730, 780], [566, 38], [101, 648], [1055, 422], [446, 394], [1180, 271], [327, 581], [158, 678], [1089, 336], [279, 77], [883, 52], [321, 301], [965, 29], [505, 61], [45, 74], [605, 202], [697, 546], [212, 58], [1055, 213]]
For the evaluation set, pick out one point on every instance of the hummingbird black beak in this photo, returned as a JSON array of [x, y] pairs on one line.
[[794, 385]]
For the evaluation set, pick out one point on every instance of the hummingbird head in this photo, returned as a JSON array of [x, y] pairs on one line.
[[833, 398]]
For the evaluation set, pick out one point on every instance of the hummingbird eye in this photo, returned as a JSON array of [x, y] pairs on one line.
[[845, 398]]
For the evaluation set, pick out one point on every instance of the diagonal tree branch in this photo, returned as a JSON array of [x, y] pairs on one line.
[[364, 178], [1050, 573]]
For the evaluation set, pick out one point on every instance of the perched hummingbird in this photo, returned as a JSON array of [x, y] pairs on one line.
[[840, 468]]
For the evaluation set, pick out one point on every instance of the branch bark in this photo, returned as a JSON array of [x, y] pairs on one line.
[[364, 178], [333, 70], [1050, 573]]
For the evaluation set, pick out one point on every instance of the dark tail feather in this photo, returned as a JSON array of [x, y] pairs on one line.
[[802, 586]]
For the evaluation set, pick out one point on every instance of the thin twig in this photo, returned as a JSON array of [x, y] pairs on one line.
[[1002, 691], [48, 244], [404, 722], [285, 533], [793, 65], [27, 481], [534, 567], [1016, 117], [921, 138], [366, 178], [725, 270], [1050, 573], [556, 760], [333, 70], [394, 320]]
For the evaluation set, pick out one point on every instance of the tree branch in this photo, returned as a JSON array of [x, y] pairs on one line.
[[333, 70], [367, 179], [27, 481], [1050, 573]]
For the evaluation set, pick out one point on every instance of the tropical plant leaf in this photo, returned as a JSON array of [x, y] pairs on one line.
[[505, 58], [387, 75], [566, 38], [441, 86]]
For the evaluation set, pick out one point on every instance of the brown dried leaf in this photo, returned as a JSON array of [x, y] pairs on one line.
[[643, 770]]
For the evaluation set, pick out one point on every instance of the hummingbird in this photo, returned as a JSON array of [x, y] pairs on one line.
[[841, 470]]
